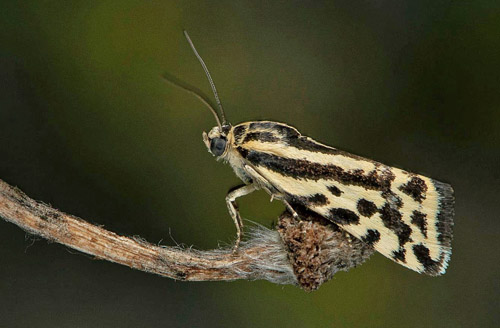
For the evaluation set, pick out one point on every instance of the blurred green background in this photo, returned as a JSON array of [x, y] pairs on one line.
[[88, 125]]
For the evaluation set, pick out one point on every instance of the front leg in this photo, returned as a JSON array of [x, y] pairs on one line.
[[233, 208]]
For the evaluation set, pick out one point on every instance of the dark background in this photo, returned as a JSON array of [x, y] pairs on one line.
[[87, 125]]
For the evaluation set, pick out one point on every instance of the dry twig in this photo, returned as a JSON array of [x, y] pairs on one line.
[[306, 252]]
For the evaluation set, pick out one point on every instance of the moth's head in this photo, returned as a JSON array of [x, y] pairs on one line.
[[217, 140]]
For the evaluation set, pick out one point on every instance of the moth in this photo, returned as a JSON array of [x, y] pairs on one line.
[[405, 216]]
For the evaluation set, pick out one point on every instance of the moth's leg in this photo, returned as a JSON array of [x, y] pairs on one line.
[[290, 209], [233, 208], [266, 185]]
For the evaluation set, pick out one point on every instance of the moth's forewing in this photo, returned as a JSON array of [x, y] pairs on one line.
[[406, 217]]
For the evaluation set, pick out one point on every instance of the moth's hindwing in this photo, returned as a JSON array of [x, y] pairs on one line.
[[406, 217]]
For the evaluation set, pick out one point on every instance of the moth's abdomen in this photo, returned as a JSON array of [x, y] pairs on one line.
[[406, 217]]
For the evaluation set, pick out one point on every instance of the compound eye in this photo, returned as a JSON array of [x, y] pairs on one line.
[[217, 146]]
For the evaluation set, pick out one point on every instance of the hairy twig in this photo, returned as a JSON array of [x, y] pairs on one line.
[[306, 252]]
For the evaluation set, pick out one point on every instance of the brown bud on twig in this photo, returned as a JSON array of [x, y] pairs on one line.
[[318, 249]]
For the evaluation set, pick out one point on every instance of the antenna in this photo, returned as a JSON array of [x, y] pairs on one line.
[[194, 92], [212, 84]]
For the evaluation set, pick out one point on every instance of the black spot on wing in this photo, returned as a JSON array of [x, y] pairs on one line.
[[423, 256], [334, 190], [304, 169], [318, 199], [399, 255], [366, 208], [415, 188], [343, 216], [371, 237], [392, 220], [308, 201], [418, 219], [394, 200]]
